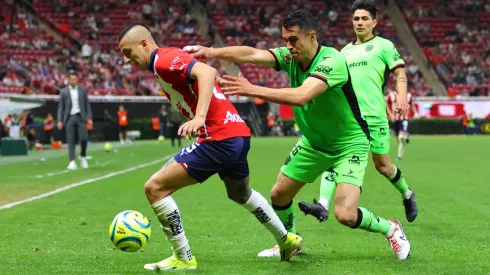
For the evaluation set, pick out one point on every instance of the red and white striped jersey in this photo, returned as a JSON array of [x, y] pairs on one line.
[[172, 68], [391, 104]]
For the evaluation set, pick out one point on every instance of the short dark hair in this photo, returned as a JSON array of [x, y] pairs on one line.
[[129, 27], [302, 19], [369, 5]]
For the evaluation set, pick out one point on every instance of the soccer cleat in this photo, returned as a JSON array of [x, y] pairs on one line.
[[173, 263], [398, 241], [290, 247], [271, 252], [411, 209], [72, 165], [315, 209], [83, 162]]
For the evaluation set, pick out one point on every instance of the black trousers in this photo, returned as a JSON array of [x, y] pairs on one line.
[[76, 127]]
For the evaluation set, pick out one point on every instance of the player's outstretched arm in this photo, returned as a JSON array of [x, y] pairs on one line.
[[401, 86], [235, 54], [206, 76], [311, 88]]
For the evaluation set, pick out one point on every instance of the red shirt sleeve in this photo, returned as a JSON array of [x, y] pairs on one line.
[[175, 65]]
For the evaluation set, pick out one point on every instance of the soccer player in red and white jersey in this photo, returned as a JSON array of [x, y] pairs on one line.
[[400, 121], [221, 148]]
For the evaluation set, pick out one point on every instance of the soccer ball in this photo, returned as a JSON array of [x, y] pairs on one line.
[[108, 147], [161, 138], [130, 231]]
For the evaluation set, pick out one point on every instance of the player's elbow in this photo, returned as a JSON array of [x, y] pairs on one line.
[[302, 101]]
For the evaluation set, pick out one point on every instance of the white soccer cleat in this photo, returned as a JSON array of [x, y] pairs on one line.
[[271, 252], [83, 162], [274, 252], [72, 165], [398, 241]]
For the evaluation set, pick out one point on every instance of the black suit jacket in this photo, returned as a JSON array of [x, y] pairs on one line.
[[64, 104]]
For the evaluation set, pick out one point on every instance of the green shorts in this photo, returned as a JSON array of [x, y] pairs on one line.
[[380, 137], [306, 162]]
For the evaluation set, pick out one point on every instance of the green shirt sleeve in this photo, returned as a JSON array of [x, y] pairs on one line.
[[283, 58], [332, 69], [391, 56]]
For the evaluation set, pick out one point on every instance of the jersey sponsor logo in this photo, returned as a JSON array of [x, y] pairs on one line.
[[174, 222], [232, 117], [323, 69], [261, 215], [369, 48], [177, 62], [355, 160], [358, 64], [396, 56], [288, 159]]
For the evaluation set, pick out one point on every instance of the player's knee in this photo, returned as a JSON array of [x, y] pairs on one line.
[[346, 217], [278, 197], [156, 188]]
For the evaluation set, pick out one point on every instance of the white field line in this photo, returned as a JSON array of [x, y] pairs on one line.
[[73, 185]]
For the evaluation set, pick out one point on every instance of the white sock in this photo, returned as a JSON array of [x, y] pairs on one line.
[[407, 194], [171, 223], [324, 202], [400, 147], [259, 206]]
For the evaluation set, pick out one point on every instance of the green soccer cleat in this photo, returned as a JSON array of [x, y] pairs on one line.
[[172, 263]]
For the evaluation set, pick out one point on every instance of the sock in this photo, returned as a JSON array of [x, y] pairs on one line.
[[327, 186], [286, 214], [399, 183], [400, 147], [168, 214], [259, 206], [83, 152], [368, 221]]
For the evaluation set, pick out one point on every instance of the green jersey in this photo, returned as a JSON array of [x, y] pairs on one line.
[[332, 120], [370, 64]]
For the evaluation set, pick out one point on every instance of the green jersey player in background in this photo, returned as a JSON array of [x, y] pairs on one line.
[[327, 112], [370, 60]]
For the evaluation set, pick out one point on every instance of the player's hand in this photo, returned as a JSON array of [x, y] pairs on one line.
[[200, 52], [402, 106], [191, 127], [60, 125], [236, 85], [220, 81]]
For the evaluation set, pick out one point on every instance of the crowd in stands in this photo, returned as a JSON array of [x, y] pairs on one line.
[[455, 39], [33, 61], [258, 24]]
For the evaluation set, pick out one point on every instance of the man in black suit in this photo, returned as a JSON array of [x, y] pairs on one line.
[[73, 112]]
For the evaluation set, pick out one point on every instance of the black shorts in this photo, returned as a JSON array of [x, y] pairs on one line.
[[400, 125], [123, 128]]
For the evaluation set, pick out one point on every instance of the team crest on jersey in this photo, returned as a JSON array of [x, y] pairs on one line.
[[369, 48], [396, 56], [287, 59]]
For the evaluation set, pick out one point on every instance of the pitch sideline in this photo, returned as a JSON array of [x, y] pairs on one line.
[[73, 185]]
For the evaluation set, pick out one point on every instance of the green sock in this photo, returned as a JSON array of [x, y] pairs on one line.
[[371, 222], [398, 181], [327, 186], [286, 215]]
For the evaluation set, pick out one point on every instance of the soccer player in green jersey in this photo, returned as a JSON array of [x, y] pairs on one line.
[[370, 60], [327, 112]]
